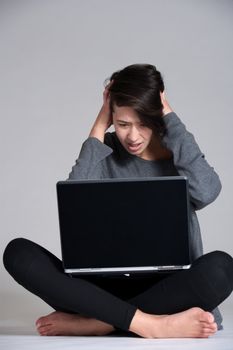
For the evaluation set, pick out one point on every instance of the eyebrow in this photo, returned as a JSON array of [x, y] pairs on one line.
[[123, 121]]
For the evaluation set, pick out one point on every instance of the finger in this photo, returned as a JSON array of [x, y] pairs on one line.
[[162, 94], [106, 96], [107, 87]]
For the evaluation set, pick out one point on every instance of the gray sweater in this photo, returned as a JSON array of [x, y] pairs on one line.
[[99, 160]]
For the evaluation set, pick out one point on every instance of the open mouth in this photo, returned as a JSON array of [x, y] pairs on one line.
[[133, 147]]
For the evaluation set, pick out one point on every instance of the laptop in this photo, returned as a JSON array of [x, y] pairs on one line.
[[124, 226]]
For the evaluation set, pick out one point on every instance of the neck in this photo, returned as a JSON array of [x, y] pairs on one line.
[[156, 150]]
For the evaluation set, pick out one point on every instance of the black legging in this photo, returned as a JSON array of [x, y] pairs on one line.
[[115, 300]]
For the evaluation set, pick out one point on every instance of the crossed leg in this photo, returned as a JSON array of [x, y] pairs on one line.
[[157, 312], [193, 323]]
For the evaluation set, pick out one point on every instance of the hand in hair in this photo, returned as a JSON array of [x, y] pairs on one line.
[[106, 107], [104, 118], [166, 107]]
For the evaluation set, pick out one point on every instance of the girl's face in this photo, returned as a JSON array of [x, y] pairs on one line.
[[132, 134]]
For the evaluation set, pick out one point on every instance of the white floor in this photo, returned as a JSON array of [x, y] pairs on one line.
[[24, 336]]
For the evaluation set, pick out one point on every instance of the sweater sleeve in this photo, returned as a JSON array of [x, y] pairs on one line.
[[204, 183], [88, 164]]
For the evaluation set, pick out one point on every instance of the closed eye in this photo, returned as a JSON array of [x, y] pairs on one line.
[[123, 124]]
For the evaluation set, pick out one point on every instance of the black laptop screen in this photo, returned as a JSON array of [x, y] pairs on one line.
[[124, 223]]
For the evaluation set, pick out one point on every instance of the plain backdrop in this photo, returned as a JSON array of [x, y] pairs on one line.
[[54, 58]]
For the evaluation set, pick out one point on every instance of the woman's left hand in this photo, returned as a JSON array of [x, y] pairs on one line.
[[166, 107]]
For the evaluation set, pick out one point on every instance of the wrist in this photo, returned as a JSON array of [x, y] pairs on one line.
[[166, 111]]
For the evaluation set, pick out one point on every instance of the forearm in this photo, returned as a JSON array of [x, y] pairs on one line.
[[88, 165], [103, 120], [98, 131]]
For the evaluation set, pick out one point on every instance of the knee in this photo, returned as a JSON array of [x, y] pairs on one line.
[[220, 269], [221, 260], [13, 253]]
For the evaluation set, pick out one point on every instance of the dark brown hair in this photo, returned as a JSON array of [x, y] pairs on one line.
[[139, 86]]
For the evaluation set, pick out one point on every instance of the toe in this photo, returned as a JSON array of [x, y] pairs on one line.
[[207, 332], [209, 317], [212, 326], [41, 321], [46, 330]]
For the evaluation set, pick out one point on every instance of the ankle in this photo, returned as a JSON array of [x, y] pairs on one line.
[[140, 324]]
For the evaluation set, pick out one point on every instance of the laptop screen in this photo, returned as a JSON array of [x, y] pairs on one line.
[[124, 223]]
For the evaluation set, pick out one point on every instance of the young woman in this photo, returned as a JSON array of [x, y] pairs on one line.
[[149, 140]]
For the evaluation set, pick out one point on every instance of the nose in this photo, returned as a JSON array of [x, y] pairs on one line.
[[133, 134]]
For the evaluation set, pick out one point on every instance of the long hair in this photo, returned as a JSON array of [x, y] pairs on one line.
[[139, 86]]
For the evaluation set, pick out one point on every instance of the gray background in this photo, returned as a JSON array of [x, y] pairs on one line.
[[54, 58]]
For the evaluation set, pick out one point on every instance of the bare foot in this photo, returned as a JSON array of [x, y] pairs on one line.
[[193, 323], [61, 323]]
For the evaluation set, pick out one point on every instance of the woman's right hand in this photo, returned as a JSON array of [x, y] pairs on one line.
[[104, 118], [105, 113]]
